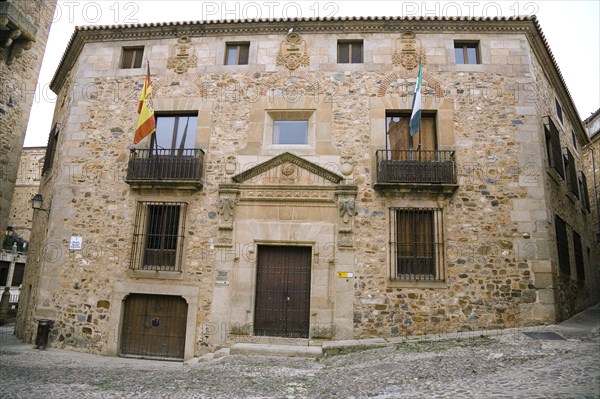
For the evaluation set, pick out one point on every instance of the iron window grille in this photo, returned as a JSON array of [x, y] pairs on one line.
[[416, 244], [158, 236]]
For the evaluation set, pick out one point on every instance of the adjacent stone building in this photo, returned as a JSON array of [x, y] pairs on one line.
[[16, 239], [24, 27], [282, 195]]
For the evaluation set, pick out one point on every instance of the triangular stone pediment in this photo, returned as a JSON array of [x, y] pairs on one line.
[[288, 168]]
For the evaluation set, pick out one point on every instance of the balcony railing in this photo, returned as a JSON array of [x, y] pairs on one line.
[[165, 167], [415, 167]]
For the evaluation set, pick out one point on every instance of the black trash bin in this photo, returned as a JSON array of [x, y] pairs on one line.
[[41, 341]]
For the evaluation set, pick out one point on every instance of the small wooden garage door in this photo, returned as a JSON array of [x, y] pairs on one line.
[[282, 307], [154, 326]]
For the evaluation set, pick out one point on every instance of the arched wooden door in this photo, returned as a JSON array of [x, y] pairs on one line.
[[154, 326]]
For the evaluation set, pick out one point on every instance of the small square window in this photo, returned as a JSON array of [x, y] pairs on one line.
[[132, 57], [466, 53], [290, 132], [350, 52], [237, 53]]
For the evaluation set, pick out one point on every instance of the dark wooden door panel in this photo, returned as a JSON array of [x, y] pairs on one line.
[[282, 291], [154, 326]]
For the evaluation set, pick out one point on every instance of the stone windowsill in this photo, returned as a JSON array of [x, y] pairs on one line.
[[417, 284], [155, 274]]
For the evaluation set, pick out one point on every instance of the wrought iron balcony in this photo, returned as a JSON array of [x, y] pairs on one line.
[[169, 168], [416, 168]]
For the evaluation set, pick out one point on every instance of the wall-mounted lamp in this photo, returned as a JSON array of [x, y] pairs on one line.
[[36, 203], [211, 243], [9, 231]]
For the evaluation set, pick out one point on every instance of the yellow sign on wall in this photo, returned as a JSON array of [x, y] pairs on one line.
[[345, 274]]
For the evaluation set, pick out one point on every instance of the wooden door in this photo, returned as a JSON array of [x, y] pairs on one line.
[[154, 326], [282, 307]]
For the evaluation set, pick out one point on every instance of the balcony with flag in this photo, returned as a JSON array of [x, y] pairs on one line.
[[411, 159], [414, 162], [172, 161], [165, 168]]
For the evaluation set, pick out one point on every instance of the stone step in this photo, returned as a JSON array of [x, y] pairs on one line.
[[275, 350]]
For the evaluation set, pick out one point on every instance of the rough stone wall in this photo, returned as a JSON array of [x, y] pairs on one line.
[[18, 78], [496, 223]]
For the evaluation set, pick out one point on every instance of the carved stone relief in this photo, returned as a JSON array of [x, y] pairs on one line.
[[408, 56], [181, 60], [292, 52]]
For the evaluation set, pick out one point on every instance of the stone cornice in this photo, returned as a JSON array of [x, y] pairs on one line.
[[149, 31]]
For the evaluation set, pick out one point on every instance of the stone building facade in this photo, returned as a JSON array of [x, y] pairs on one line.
[[283, 196], [24, 27]]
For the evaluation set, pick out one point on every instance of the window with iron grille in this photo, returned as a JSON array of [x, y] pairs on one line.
[[579, 263], [132, 57], [571, 178], [562, 245], [466, 52], [237, 53], [50, 149], [158, 236], [583, 188], [553, 148], [416, 244], [350, 52]]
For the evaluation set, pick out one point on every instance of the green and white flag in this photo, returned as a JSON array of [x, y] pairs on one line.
[[415, 117]]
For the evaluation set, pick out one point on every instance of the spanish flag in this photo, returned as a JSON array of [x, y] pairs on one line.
[[146, 123]]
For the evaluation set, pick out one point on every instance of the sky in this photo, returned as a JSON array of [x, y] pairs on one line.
[[572, 29]]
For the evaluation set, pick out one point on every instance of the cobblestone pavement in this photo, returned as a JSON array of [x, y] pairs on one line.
[[509, 364]]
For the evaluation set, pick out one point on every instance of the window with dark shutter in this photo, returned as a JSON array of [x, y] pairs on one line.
[[559, 113], [583, 189], [571, 178], [562, 244], [553, 148], [50, 149], [579, 263]]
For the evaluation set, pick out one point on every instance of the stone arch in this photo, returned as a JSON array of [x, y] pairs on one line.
[[428, 82], [279, 77], [191, 81]]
